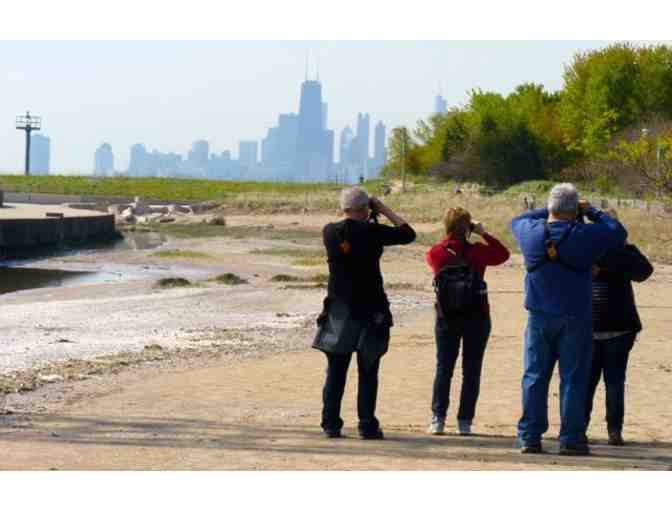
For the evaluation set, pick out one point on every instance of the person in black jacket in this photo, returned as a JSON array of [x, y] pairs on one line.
[[616, 324], [356, 315]]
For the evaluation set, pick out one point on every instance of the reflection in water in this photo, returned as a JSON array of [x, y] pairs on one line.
[[140, 241], [13, 279]]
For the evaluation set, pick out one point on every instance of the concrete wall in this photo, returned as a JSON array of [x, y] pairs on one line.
[[33, 233], [54, 199]]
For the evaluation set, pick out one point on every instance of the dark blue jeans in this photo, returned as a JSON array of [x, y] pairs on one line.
[[569, 341], [610, 359], [367, 392], [473, 333]]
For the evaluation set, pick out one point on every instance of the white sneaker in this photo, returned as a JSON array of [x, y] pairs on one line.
[[437, 427], [464, 427]]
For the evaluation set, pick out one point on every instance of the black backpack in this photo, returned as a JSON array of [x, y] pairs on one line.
[[458, 289]]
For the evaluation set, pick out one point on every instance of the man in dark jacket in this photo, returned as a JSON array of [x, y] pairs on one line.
[[356, 315], [616, 324], [559, 253]]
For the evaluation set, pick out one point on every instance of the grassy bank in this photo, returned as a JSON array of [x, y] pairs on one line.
[[158, 188], [424, 202]]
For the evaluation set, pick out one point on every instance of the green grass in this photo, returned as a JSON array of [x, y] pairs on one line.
[[310, 261], [181, 254], [289, 252], [169, 283], [158, 188], [229, 279], [319, 278], [203, 230]]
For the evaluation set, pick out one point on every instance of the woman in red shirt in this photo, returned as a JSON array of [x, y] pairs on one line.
[[472, 327]]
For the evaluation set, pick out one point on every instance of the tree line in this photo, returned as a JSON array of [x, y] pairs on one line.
[[611, 123]]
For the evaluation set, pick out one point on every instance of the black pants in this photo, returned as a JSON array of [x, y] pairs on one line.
[[610, 359], [334, 386], [474, 333]]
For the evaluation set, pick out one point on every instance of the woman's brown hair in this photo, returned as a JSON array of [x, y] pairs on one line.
[[457, 222]]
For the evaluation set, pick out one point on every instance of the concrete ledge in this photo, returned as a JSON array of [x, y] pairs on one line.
[[28, 233]]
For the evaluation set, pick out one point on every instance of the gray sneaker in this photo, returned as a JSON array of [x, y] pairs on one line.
[[437, 427], [464, 427]]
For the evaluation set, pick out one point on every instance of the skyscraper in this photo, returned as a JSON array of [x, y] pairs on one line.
[[362, 143], [40, 149], [379, 152], [198, 157], [440, 105], [139, 164], [325, 114], [313, 159], [103, 160], [347, 157], [248, 154]]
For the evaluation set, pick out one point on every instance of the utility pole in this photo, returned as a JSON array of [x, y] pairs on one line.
[[403, 160], [27, 123]]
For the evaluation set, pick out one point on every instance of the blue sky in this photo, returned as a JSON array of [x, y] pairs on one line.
[[168, 94]]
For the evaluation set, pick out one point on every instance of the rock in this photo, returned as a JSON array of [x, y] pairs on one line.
[[87, 206], [217, 219], [181, 209], [166, 219], [158, 209], [204, 207], [139, 207], [127, 216], [116, 209], [52, 378]]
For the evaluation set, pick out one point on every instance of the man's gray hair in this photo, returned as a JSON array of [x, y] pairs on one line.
[[563, 199], [354, 199]]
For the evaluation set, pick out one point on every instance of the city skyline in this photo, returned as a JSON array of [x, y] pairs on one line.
[[299, 148], [168, 94]]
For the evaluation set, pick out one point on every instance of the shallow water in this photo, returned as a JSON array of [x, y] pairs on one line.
[[14, 279]]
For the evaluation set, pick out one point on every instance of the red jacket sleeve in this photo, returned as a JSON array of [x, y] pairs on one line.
[[437, 257], [492, 254]]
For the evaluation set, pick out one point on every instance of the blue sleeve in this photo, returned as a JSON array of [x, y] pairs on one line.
[[605, 232], [518, 223]]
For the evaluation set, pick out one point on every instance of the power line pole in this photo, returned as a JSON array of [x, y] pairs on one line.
[[403, 160], [28, 123]]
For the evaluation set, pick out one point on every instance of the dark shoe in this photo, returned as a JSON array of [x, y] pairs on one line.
[[333, 434], [616, 438], [378, 434], [531, 448], [574, 449]]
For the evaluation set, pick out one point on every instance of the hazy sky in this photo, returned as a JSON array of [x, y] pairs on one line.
[[168, 94]]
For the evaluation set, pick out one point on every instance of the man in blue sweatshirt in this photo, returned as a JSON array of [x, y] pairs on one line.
[[559, 251]]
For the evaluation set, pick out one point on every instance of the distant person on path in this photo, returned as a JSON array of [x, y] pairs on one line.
[[356, 315], [559, 253], [616, 324], [459, 267]]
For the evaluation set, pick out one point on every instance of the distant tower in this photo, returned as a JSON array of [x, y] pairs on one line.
[[248, 154], [325, 110], [40, 155], [139, 164], [363, 123], [314, 151], [440, 105], [198, 156], [103, 160], [379, 153]]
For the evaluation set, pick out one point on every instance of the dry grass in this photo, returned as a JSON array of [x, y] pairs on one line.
[[180, 254]]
